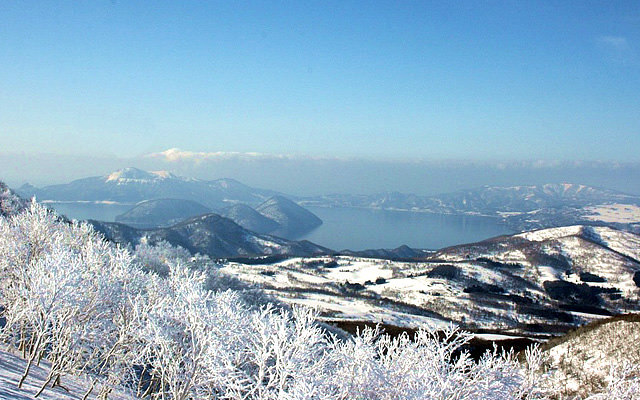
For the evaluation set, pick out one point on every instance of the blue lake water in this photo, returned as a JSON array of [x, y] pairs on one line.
[[99, 211], [353, 228], [360, 229]]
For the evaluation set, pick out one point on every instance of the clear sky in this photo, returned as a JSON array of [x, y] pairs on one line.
[[477, 80]]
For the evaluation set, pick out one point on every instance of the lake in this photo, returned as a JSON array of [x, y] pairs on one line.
[[353, 228], [89, 210], [360, 229]]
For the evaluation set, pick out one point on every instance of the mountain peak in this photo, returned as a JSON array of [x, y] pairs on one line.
[[135, 174], [163, 174], [129, 173]]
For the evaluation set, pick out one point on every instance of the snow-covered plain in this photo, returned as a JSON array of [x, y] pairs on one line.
[[621, 213]]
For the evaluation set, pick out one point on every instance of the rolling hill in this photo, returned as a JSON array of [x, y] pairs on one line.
[[291, 218], [537, 284], [211, 235], [249, 218], [161, 213]]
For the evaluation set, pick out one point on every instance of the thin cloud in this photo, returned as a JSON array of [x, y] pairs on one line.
[[615, 42], [617, 48], [178, 155]]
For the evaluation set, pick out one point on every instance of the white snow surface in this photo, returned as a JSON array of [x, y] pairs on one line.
[[11, 368], [551, 233], [620, 213], [623, 242], [594, 353]]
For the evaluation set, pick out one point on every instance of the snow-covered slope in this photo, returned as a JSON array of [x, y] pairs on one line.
[[11, 368], [586, 360], [10, 203], [537, 283]]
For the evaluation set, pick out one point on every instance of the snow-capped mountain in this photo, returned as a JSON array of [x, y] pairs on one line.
[[495, 199], [486, 200], [162, 199], [132, 185], [536, 283]]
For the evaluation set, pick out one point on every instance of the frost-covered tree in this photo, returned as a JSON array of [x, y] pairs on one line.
[[10, 203], [65, 293], [374, 366], [176, 340], [161, 256]]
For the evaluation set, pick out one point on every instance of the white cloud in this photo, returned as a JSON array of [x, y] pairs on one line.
[[175, 154]]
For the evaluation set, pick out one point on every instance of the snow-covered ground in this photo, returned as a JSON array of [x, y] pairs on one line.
[[620, 213], [552, 233], [585, 360], [11, 368]]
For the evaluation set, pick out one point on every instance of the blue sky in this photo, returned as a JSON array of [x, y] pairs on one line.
[[428, 80]]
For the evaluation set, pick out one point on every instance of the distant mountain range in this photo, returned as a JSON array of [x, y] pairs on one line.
[[162, 199], [209, 234], [486, 200], [520, 207], [132, 185]]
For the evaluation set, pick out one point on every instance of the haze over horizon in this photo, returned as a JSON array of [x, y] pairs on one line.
[[300, 175]]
